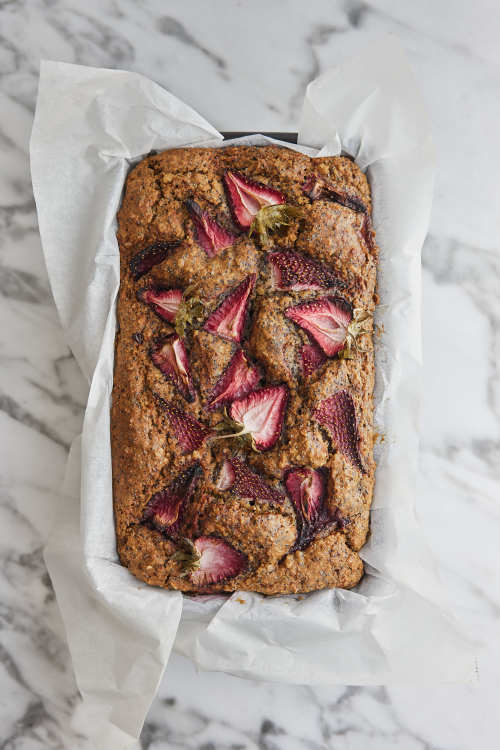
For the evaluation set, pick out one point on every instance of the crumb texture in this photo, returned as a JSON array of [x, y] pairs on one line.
[[237, 314]]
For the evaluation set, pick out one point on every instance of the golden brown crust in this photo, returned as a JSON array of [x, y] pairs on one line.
[[146, 457]]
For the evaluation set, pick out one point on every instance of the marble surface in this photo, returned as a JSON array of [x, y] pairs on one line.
[[244, 64]]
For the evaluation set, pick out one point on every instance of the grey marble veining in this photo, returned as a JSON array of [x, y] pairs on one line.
[[244, 65]]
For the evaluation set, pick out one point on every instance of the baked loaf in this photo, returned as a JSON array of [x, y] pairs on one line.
[[242, 414]]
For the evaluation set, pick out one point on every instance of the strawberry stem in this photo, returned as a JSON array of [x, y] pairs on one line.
[[244, 431], [271, 218], [188, 558], [355, 330]]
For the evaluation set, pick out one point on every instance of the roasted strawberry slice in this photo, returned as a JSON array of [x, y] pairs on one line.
[[312, 358], [296, 272], [313, 187], [170, 356], [209, 560], [209, 234], [237, 476], [239, 378], [165, 509], [246, 197], [218, 561], [367, 232], [227, 476], [228, 320], [148, 258], [261, 415], [316, 187], [188, 431], [164, 301], [337, 414], [326, 319], [306, 489]]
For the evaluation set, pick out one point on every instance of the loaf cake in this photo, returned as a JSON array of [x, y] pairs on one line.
[[242, 407]]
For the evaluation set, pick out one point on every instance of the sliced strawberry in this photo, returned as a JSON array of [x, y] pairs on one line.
[[246, 197], [170, 356], [228, 320], [313, 187], [227, 476], [326, 319], [316, 187], [239, 378], [165, 509], [148, 258], [188, 431], [261, 415], [209, 234], [337, 414], [245, 483], [312, 358], [165, 302], [217, 561], [297, 272], [367, 232], [306, 489]]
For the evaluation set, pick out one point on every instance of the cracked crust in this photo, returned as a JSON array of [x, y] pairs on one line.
[[145, 455]]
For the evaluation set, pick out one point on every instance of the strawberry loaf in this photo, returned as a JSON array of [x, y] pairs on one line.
[[242, 408]]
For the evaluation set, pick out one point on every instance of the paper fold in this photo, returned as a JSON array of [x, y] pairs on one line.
[[90, 126]]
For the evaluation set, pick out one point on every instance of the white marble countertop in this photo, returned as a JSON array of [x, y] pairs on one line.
[[244, 65]]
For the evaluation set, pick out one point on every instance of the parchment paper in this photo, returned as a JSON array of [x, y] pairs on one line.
[[90, 125]]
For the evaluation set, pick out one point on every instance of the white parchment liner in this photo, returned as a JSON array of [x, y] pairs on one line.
[[90, 125]]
